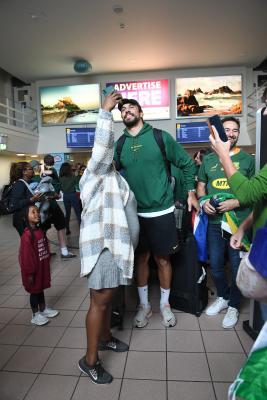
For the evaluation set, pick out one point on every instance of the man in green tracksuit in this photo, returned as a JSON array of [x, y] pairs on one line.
[[145, 170], [212, 181]]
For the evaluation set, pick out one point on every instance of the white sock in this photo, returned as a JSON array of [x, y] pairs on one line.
[[164, 296], [64, 251], [143, 295]]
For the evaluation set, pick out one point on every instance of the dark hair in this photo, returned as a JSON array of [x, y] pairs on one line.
[[49, 160], [65, 169], [264, 95], [202, 153], [233, 119], [16, 170], [25, 216], [129, 101]]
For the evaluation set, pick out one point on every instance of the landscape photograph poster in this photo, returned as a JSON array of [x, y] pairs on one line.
[[209, 95], [72, 104], [152, 95]]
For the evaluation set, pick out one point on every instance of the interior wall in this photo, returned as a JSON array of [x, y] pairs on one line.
[[52, 139]]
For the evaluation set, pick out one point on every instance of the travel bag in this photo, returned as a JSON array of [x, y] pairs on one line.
[[189, 292]]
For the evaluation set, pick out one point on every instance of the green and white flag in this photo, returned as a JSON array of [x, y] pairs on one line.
[[251, 382]]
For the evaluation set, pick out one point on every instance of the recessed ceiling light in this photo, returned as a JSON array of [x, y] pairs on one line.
[[20, 154], [34, 156], [117, 9]]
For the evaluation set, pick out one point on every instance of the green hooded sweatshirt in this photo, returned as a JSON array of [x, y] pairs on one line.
[[144, 168]]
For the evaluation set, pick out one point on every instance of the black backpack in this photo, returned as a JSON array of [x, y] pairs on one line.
[[6, 203], [159, 139]]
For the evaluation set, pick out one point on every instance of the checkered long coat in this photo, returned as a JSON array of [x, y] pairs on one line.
[[104, 195]]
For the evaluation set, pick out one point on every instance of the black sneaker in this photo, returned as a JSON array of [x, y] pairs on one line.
[[68, 256], [113, 344], [96, 372]]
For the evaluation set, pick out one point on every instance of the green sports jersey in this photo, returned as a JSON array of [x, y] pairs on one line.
[[145, 171], [212, 174]]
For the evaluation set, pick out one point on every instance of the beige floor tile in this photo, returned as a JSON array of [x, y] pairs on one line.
[[23, 317], [246, 340], [64, 362], [7, 314], [190, 391], [28, 359], [46, 336], [186, 322], [224, 367], [188, 367], [241, 319], [222, 342], [73, 338], [62, 280], [9, 289], [82, 291], [15, 334], [17, 301], [148, 340], [68, 303], [52, 387], [6, 352], [146, 365], [211, 323], [88, 390], [62, 319], [79, 319], [184, 341], [143, 389], [114, 362], [221, 390], [85, 303], [14, 386], [55, 290], [4, 297]]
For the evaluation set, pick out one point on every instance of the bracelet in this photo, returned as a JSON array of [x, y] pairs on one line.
[[192, 190]]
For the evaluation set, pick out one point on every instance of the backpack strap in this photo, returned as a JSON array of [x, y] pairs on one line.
[[26, 184], [119, 147], [159, 139]]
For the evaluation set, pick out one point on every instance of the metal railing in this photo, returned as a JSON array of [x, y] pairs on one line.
[[15, 114]]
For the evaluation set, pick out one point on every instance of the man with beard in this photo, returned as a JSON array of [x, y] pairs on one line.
[[145, 170], [213, 182]]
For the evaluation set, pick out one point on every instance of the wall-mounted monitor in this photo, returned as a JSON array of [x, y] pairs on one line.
[[209, 95], [192, 132], [80, 137], [152, 95], [66, 105]]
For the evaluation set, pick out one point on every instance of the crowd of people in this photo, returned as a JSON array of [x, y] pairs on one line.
[[128, 218]]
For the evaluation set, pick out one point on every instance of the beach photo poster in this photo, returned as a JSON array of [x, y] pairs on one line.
[[208, 95], [152, 95], [70, 104]]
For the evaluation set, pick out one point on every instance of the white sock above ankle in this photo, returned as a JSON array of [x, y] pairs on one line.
[[64, 251], [143, 295], [164, 296]]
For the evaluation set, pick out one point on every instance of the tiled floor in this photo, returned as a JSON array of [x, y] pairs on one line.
[[196, 359]]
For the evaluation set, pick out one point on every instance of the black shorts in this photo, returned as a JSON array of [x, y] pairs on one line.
[[158, 235], [56, 218]]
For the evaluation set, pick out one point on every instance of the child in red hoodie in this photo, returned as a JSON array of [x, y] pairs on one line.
[[34, 259]]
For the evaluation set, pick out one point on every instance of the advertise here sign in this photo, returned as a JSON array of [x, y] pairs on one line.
[[152, 95]]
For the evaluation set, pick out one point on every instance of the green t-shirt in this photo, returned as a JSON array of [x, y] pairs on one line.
[[212, 174]]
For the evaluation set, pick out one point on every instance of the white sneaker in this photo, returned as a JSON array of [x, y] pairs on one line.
[[38, 319], [216, 307], [169, 318], [49, 313], [141, 318], [231, 318]]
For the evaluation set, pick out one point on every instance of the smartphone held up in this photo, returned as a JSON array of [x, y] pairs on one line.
[[215, 121]]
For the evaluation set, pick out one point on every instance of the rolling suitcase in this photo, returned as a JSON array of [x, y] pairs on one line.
[[189, 292]]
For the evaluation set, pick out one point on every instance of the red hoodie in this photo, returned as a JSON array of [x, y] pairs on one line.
[[34, 259]]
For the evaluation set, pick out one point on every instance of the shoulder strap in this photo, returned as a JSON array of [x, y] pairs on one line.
[[119, 147], [25, 183], [159, 139]]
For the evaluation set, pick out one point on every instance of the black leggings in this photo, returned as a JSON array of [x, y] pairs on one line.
[[37, 300]]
